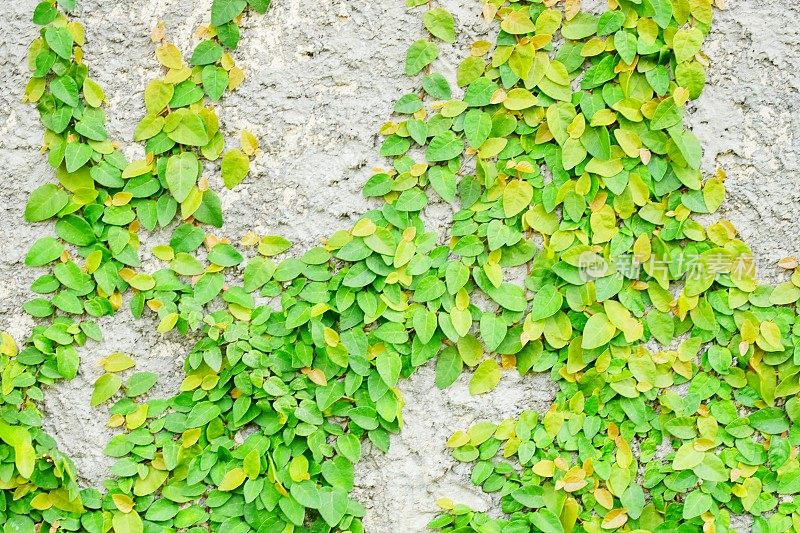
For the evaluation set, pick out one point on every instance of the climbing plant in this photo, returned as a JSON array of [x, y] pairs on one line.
[[572, 251]]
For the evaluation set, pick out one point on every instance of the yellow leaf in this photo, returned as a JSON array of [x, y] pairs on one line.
[[235, 78], [604, 498], [517, 197], [159, 32], [457, 439], [298, 469], [7, 345], [519, 98], [517, 23], [169, 56], [123, 502], [190, 437], [252, 464], [117, 362], [614, 519], [127, 523], [168, 322], [316, 376], [331, 337], [41, 502], [249, 143], [136, 418], [544, 468], [232, 480]]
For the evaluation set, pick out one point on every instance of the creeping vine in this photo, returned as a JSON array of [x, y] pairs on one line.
[[564, 150]]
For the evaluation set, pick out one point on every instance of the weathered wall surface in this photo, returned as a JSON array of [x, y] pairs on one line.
[[321, 78]]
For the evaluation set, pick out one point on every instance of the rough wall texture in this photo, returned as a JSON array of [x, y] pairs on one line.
[[322, 77]]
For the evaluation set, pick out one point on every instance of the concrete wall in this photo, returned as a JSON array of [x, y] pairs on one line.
[[322, 77]]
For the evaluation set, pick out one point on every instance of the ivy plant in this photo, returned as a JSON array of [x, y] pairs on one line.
[[573, 250]]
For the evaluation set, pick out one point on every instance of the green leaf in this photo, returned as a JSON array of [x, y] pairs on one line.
[[633, 500], [232, 480], [695, 504], [687, 43], [207, 52], [770, 420], [517, 197], [191, 131], [493, 330], [691, 76], [662, 12], [235, 166], [45, 202], [689, 147], [580, 26], [45, 13], [76, 155], [443, 147], [609, 22], [486, 377], [257, 272], [259, 6], [201, 414], [711, 468], [139, 383], [425, 324], [666, 115], [470, 70], [65, 89], [627, 45], [510, 296], [59, 39], [332, 505], [437, 86], [443, 181], [477, 127], [546, 521], [182, 173], [127, 522], [546, 303], [597, 332], [349, 446], [105, 387], [306, 494], [339, 473], [215, 81], [530, 496], [573, 153], [789, 482], [19, 438], [186, 264], [389, 365], [365, 417], [43, 251], [681, 427], [441, 24], [448, 367], [223, 11], [273, 245], [210, 210], [420, 55], [157, 95], [687, 457], [429, 288], [225, 255], [67, 362]]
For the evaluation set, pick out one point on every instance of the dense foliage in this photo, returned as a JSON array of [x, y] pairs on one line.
[[566, 155]]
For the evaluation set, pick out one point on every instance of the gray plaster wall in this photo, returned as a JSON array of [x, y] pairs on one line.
[[321, 78]]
